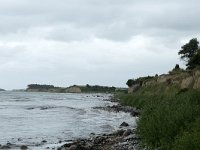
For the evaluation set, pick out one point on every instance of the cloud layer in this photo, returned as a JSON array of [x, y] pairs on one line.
[[103, 42]]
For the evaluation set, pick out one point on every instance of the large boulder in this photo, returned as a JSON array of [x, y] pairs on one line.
[[124, 124]]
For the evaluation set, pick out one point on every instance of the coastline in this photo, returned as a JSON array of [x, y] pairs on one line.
[[125, 138]]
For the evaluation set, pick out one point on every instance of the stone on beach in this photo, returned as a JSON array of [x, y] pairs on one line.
[[23, 147], [124, 124], [127, 132]]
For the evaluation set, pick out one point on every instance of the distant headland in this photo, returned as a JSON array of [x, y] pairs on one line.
[[2, 90], [73, 89]]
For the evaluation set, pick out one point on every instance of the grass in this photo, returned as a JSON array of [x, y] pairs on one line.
[[170, 118], [189, 139]]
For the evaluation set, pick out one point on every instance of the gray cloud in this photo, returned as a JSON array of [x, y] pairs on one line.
[[92, 41], [115, 20]]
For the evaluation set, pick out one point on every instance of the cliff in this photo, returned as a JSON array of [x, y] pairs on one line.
[[73, 89], [177, 80]]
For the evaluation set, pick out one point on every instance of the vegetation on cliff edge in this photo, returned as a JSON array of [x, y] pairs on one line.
[[170, 117], [168, 121]]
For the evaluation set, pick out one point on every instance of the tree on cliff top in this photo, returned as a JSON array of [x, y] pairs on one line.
[[130, 82], [189, 53], [38, 86], [194, 61]]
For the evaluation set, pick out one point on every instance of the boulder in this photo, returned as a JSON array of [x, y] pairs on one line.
[[127, 132], [5, 147], [124, 124], [120, 132], [23, 147], [44, 141], [72, 147]]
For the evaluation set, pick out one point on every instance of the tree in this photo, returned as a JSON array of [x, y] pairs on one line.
[[189, 51], [194, 61], [130, 82], [38, 86]]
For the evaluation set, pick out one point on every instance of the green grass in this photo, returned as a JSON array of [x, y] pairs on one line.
[[169, 118], [189, 139]]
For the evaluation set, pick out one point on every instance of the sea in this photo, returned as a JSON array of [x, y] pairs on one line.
[[48, 120]]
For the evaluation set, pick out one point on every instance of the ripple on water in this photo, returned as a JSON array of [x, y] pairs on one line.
[[34, 117]]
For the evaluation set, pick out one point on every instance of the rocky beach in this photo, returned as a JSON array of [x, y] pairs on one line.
[[124, 138], [97, 122]]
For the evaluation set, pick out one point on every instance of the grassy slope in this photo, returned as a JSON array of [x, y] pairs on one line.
[[170, 117]]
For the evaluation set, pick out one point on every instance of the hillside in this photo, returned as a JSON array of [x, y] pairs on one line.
[[166, 83], [170, 109]]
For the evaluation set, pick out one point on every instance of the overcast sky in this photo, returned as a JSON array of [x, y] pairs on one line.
[[104, 42]]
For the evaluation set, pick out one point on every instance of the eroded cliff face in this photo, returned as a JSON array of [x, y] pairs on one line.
[[73, 89], [197, 80], [133, 88], [183, 80], [192, 81]]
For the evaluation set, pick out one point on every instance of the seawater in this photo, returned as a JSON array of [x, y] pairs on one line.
[[30, 118]]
